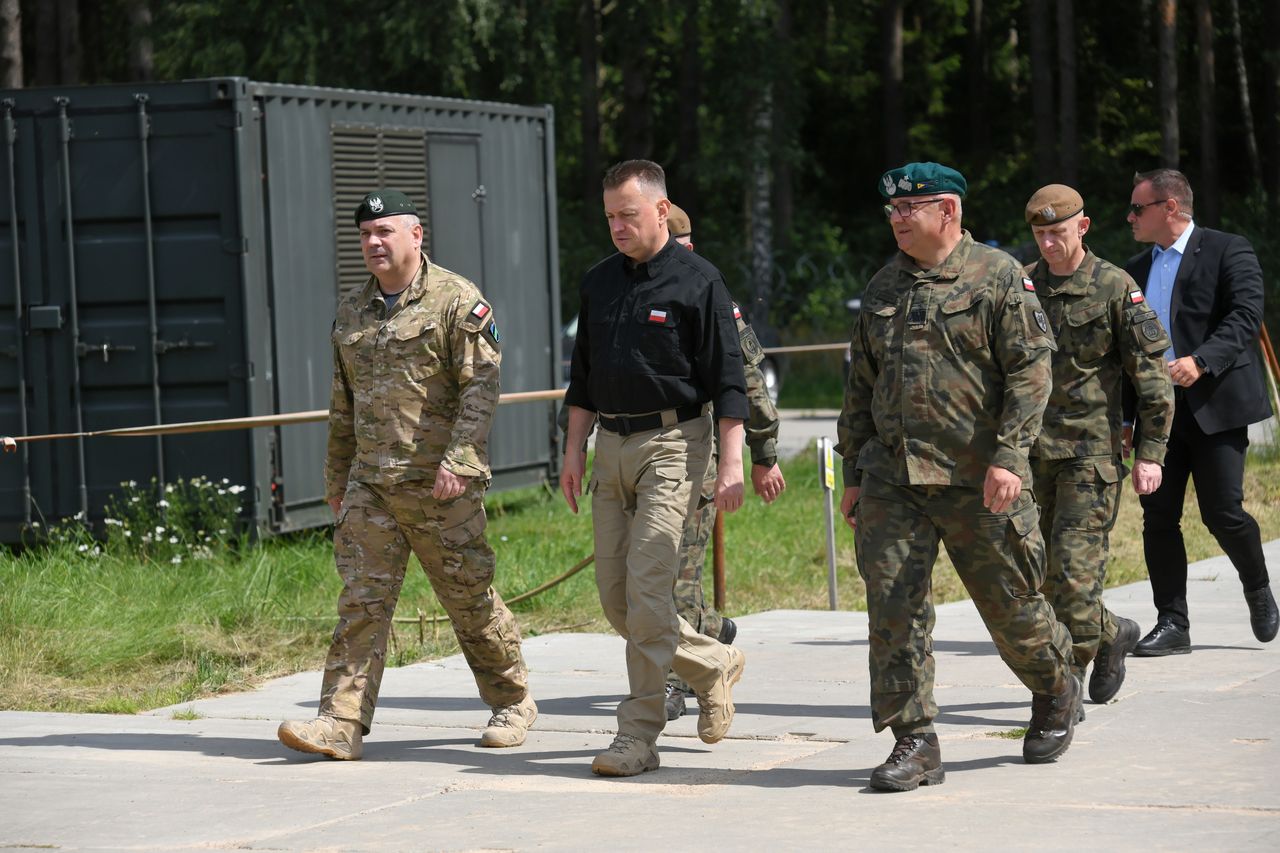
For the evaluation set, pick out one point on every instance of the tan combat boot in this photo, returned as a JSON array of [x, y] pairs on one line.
[[716, 705], [507, 726], [628, 755], [329, 736]]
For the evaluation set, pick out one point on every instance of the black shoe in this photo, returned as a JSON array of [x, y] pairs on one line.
[[1165, 638], [728, 630], [1263, 615], [675, 703], [1108, 666], [915, 761], [1053, 722]]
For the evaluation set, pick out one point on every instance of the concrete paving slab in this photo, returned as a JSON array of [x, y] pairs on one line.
[[1185, 757]]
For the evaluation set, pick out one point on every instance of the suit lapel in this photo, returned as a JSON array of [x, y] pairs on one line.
[[1185, 269]]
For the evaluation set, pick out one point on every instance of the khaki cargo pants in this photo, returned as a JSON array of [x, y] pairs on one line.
[[376, 529], [1000, 560], [644, 486]]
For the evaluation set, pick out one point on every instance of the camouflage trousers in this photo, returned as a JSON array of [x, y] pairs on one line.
[[643, 488], [377, 527], [690, 599], [1000, 560], [1079, 499]]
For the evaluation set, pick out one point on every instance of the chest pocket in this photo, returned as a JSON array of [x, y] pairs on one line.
[[417, 347], [1090, 329], [657, 337], [962, 321]]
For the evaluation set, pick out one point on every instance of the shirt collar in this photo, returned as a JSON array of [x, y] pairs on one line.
[[654, 266], [1179, 245]]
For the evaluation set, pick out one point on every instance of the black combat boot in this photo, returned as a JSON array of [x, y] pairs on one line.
[[1053, 722], [1108, 666], [728, 630], [675, 703], [915, 761]]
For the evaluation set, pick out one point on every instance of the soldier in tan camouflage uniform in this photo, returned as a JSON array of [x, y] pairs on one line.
[[415, 385], [949, 377], [766, 480], [1105, 331]]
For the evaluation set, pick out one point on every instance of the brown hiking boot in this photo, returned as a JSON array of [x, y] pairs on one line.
[[716, 705], [507, 726], [916, 760], [628, 755], [329, 736], [1053, 722]]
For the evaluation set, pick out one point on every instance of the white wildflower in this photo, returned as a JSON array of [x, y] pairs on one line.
[[176, 559], [162, 503], [173, 540], [113, 521], [83, 548], [128, 534], [159, 530], [235, 490], [503, 538]]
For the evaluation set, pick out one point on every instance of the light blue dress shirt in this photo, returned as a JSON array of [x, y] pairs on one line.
[[1164, 272]]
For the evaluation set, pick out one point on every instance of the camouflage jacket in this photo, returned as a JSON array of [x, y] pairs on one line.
[[414, 386], [1104, 330], [950, 371], [762, 423]]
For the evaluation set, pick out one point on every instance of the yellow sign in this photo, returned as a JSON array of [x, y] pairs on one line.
[[828, 467]]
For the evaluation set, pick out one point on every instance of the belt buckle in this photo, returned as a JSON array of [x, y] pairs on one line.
[[623, 425]]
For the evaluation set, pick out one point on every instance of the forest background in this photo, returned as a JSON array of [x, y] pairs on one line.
[[774, 118]]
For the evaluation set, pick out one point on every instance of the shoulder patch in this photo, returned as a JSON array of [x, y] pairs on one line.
[[1135, 296], [492, 331], [737, 312], [480, 311], [478, 318], [1027, 285]]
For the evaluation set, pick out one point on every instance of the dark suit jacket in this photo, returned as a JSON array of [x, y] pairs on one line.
[[1215, 313]]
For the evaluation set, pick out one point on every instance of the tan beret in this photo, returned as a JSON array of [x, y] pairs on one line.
[[1053, 203], [678, 222]]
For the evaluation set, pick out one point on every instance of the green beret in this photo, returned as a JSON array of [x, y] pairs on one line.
[[380, 203], [922, 179], [1053, 203]]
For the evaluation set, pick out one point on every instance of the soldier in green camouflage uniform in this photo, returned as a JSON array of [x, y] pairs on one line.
[[766, 479], [949, 377], [1105, 331], [415, 385]]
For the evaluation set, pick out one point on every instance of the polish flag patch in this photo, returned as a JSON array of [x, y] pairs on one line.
[[1135, 296], [657, 315], [737, 312], [1027, 285], [480, 311]]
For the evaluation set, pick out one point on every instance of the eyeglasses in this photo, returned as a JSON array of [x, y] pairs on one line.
[[1136, 209], [906, 209]]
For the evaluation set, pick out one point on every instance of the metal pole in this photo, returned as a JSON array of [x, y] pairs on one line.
[[78, 349], [717, 561], [19, 351], [144, 133], [826, 473]]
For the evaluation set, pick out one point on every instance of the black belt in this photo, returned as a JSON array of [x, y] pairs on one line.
[[627, 424]]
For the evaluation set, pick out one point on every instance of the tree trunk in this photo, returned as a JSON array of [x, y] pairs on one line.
[[589, 120], [892, 113], [1246, 108], [70, 52], [1271, 105], [976, 106], [1044, 133], [1167, 83], [783, 129], [1068, 139], [46, 46], [688, 138], [1208, 191], [141, 55], [761, 213], [11, 45], [637, 106]]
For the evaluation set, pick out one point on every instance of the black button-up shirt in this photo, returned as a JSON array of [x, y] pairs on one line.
[[656, 336]]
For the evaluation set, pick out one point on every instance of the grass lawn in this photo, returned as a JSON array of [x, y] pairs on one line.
[[111, 633]]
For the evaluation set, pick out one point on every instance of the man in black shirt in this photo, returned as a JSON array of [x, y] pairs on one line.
[[656, 344]]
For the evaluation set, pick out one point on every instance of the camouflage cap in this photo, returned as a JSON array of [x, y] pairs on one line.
[[387, 202], [1053, 203], [922, 179], [678, 222]]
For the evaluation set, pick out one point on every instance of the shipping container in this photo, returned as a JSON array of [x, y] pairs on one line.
[[174, 252]]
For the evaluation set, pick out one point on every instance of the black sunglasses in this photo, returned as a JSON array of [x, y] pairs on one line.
[[1136, 209]]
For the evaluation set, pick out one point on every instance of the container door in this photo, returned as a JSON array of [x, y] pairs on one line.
[[457, 196]]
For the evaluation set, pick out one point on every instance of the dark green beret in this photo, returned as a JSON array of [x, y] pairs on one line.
[[380, 203], [922, 179]]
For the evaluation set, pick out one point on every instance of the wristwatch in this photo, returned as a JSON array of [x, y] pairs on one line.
[[1200, 363]]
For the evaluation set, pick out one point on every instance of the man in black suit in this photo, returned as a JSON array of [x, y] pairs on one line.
[[1206, 287]]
